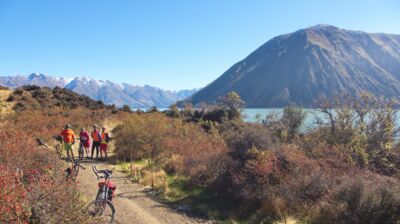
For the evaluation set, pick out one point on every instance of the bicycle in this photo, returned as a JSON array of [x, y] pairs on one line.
[[102, 206], [59, 146], [41, 143], [81, 147], [72, 173]]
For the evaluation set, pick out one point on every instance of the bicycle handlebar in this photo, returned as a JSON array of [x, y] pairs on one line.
[[95, 171], [107, 173], [76, 163]]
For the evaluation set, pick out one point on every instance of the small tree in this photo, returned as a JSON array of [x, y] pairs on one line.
[[173, 111], [126, 108], [233, 104], [293, 119]]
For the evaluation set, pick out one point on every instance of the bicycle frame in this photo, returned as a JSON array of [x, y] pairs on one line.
[[75, 169], [102, 193], [103, 200]]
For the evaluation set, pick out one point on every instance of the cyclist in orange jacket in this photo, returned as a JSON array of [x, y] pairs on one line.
[[68, 138], [96, 141]]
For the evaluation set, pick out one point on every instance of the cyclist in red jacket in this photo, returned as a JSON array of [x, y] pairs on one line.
[[85, 141]]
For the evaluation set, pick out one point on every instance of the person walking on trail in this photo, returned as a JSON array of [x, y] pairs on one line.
[[105, 138], [85, 141], [96, 141], [68, 138]]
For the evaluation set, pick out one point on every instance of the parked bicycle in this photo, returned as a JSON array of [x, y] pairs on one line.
[[41, 143], [59, 146], [80, 149], [72, 172], [102, 206]]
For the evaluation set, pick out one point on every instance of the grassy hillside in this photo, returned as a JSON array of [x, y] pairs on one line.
[[34, 97]]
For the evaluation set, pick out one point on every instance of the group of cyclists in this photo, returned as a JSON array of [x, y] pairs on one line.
[[102, 205], [100, 142]]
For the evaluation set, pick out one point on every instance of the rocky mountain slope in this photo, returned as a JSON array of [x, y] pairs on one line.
[[106, 91], [297, 68]]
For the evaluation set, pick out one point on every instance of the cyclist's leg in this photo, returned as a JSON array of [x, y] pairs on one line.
[[93, 146], [80, 150], [67, 148], [106, 149], [72, 150], [97, 149], [87, 152], [101, 150]]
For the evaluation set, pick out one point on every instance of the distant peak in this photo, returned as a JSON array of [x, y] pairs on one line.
[[323, 26], [35, 75]]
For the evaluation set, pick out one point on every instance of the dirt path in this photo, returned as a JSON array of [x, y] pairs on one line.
[[132, 202]]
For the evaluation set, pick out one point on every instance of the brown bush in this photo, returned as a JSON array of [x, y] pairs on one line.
[[241, 136], [140, 136], [193, 152], [367, 199], [279, 183], [172, 144]]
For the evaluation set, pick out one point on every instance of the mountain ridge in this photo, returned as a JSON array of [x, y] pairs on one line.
[[299, 67], [136, 96]]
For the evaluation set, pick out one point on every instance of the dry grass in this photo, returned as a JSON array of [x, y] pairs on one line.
[[5, 107], [159, 180], [287, 221], [4, 94]]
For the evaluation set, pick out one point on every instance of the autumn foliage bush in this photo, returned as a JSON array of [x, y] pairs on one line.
[[193, 152], [346, 170], [178, 147], [280, 182], [34, 189]]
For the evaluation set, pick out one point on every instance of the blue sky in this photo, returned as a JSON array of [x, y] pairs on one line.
[[170, 44]]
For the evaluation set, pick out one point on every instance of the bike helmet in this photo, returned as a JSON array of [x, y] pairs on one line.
[[67, 126]]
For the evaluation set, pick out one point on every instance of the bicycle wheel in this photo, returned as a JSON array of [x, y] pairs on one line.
[[80, 151], [102, 209], [58, 150], [76, 171]]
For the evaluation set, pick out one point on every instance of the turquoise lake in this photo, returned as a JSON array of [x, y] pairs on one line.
[[250, 115]]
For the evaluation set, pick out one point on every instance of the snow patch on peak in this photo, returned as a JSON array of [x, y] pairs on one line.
[[88, 80], [36, 75]]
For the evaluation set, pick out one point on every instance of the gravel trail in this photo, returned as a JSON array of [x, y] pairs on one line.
[[132, 202]]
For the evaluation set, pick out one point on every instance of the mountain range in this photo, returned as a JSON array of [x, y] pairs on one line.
[[109, 92], [299, 67]]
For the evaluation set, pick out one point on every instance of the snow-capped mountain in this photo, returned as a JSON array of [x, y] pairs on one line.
[[109, 92]]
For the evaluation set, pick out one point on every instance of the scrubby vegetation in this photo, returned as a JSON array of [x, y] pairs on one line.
[[39, 98], [346, 170], [34, 188]]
